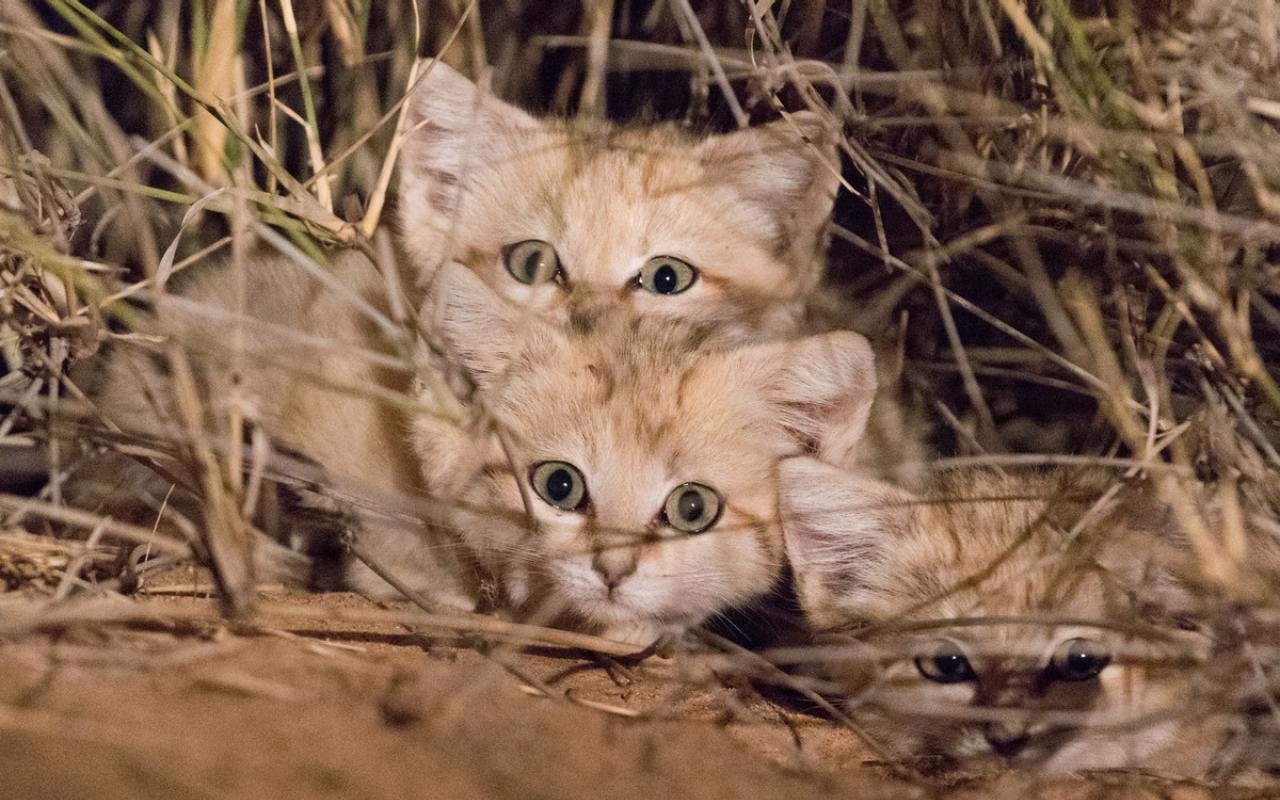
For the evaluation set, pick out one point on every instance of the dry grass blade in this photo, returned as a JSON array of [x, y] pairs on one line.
[[298, 617]]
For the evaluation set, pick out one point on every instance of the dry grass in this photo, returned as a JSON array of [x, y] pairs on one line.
[[1073, 210]]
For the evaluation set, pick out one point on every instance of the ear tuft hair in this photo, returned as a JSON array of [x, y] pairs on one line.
[[821, 387], [790, 171], [840, 531], [453, 126]]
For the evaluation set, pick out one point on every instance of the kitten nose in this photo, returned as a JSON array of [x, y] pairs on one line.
[[614, 565], [1006, 740]]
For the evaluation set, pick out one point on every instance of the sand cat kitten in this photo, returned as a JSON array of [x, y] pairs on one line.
[[646, 449], [569, 217], [1057, 677]]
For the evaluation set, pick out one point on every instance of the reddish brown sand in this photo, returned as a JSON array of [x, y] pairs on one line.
[[342, 712]]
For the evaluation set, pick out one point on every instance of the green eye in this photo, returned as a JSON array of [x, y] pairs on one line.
[[692, 508], [1079, 660], [946, 665], [560, 484], [666, 275], [532, 261]]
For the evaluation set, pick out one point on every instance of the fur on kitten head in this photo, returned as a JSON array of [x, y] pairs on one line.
[[639, 405], [749, 211], [906, 569]]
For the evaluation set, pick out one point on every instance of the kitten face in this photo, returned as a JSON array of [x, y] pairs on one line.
[[646, 450], [1035, 683], [566, 218]]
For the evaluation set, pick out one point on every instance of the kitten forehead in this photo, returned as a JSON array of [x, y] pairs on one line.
[[977, 543], [1003, 541], [619, 385]]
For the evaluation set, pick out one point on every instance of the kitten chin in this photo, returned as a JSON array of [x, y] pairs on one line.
[[981, 624]]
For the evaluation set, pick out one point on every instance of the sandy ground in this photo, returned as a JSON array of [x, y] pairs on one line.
[[193, 710]]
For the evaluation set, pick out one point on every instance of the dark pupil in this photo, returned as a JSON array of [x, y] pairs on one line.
[[533, 266], [1080, 663], [664, 280], [559, 484], [691, 506], [949, 664]]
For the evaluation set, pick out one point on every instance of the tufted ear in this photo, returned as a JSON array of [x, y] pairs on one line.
[[452, 127], [789, 171], [481, 332], [842, 532], [819, 387], [1143, 544]]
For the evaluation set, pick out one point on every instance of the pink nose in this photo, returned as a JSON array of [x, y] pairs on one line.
[[614, 565]]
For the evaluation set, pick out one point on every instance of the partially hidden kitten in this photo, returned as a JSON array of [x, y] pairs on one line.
[[309, 368], [646, 451], [981, 624], [568, 217]]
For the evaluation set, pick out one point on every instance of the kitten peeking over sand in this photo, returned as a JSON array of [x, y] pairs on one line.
[[997, 630], [635, 491], [571, 217]]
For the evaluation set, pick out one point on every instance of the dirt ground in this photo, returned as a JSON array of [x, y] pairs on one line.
[[193, 710]]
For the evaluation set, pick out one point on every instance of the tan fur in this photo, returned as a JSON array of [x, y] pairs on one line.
[[302, 380], [640, 405], [979, 544], [891, 445], [750, 210]]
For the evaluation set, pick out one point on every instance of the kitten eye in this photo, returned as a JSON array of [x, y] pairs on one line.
[[692, 508], [532, 261], [1079, 660], [560, 485], [946, 665], [666, 275]]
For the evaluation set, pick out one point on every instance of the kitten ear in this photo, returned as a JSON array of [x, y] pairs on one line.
[[452, 126], [789, 170], [1143, 545], [480, 331], [841, 533], [820, 387]]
